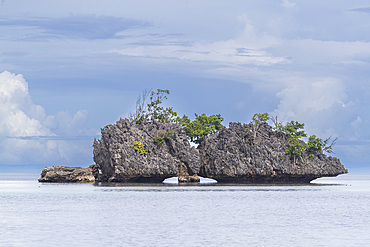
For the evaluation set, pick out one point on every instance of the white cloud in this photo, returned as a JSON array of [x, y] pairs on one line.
[[318, 103], [70, 124], [18, 115], [313, 96], [27, 134], [248, 48]]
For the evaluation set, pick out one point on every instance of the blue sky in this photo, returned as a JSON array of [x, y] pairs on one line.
[[68, 68]]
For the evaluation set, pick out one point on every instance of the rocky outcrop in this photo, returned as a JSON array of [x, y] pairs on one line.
[[64, 174], [150, 152], [234, 155]]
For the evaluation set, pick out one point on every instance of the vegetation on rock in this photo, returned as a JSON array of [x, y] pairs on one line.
[[161, 136], [130, 153], [232, 156], [295, 130], [314, 144], [296, 149], [149, 109], [201, 127], [257, 120], [269, 155], [139, 146]]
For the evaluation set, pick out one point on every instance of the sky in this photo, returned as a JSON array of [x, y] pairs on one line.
[[68, 68]]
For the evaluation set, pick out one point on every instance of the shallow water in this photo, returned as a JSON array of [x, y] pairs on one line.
[[330, 212]]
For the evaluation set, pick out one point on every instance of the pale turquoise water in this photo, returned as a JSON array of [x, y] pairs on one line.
[[334, 213]]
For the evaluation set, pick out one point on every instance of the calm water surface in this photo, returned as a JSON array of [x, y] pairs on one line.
[[330, 212]]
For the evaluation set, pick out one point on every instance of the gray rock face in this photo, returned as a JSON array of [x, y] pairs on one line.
[[234, 156], [149, 152], [64, 174], [152, 152]]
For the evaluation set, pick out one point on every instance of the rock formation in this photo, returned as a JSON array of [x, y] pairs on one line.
[[64, 174], [234, 155], [152, 152], [148, 152]]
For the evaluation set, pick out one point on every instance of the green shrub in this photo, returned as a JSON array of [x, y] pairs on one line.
[[257, 120], [315, 144], [152, 109], [296, 148], [294, 128], [311, 156], [139, 146], [201, 127]]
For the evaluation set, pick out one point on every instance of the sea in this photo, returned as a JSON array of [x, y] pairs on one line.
[[327, 212]]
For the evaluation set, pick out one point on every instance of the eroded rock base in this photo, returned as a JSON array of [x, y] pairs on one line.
[[267, 180]]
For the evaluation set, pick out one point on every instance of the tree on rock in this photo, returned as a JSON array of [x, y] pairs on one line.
[[294, 128], [153, 110], [315, 144], [201, 127], [297, 148], [329, 147], [257, 120]]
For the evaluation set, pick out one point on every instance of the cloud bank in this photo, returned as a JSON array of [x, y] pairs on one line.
[[248, 48], [28, 134]]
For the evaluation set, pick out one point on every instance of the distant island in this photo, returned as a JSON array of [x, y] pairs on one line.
[[153, 144]]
